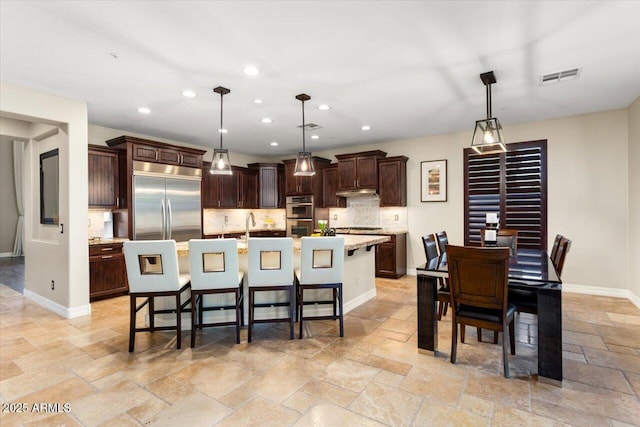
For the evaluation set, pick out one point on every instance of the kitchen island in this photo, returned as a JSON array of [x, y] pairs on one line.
[[359, 284]]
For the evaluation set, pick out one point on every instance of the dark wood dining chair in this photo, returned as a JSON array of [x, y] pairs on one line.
[[506, 238], [556, 244], [442, 296], [563, 248], [478, 280], [443, 241]]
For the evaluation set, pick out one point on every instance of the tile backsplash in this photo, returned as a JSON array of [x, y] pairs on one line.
[[366, 212], [214, 220]]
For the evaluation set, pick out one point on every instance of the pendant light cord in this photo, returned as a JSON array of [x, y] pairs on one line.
[[303, 142], [221, 126], [489, 101]]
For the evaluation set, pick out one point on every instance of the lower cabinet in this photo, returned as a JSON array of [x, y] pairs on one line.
[[391, 257], [107, 271]]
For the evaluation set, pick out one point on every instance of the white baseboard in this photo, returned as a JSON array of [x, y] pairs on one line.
[[66, 312], [6, 254], [584, 289], [356, 302]]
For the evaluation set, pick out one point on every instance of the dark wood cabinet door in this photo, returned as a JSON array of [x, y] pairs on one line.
[[103, 179], [329, 188], [209, 188], [228, 190], [347, 174], [292, 184], [386, 259], [144, 153], [190, 160], [248, 190], [392, 181], [268, 179], [367, 172], [168, 157], [107, 271]]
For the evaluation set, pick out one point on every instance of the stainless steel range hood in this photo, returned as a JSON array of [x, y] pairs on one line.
[[357, 193]]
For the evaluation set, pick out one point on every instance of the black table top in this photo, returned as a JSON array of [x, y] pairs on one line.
[[530, 267]]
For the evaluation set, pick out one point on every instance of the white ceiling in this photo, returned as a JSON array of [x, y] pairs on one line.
[[406, 68]]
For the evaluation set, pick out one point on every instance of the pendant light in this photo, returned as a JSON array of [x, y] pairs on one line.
[[220, 164], [304, 161], [487, 136]]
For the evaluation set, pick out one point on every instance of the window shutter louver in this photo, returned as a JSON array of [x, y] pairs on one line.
[[512, 184]]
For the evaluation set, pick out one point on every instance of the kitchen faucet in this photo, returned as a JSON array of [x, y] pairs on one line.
[[253, 223]]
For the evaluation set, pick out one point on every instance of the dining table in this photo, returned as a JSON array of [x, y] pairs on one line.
[[531, 271]]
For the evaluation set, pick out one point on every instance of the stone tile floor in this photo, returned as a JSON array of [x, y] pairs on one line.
[[373, 376]]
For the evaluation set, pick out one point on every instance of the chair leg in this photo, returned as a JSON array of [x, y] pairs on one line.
[[505, 356], [512, 336], [132, 322], [341, 312], [446, 307], [495, 337], [479, 334], [152, 316], [241, 304], [292, 311], [250, 315], [238, 315], [178, 321], [200, 309], [335, 307], [454, 339], [300, 308], [440, 309], [462, 333], [193, 318]]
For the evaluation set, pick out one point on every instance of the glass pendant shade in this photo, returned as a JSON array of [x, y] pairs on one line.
[[304, 164], [487, 137], [220, 164], [304, 161]]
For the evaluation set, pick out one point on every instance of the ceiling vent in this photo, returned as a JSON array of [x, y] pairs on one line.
[[560, 76], [310, 127]]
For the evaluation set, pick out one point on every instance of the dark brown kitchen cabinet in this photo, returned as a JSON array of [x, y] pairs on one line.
[[303, 185], [329, 188], [391, 257], [359, 170], [219, 191], [107, 271], [270, 176], [103, 177], [392, 181], [247, 188], [146, 150]]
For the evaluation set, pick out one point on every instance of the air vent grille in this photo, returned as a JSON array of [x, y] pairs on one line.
[[560, 76], [311, 127]]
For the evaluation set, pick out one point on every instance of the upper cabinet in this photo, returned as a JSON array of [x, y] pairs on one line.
[[329, 188], [270, 181], [359, 170], [219, 191], [103, 177], [158, 152], [392, 181], [247, 188], [303, 185]]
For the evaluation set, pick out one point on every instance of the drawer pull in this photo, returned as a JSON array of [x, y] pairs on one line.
[[107, 249], [107, 256]]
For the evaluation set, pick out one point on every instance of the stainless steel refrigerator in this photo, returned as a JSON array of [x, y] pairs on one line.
[[166, 207]]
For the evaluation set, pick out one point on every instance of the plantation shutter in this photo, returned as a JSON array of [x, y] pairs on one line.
[[511, 184]]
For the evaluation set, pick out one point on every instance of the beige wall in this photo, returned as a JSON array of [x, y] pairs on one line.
[[587, 190], [64, 259], [8, 209], [634, 199]]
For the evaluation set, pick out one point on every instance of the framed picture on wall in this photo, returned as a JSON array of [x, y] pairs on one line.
[[433, 181]]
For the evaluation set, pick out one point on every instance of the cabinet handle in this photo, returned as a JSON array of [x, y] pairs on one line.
[[107, 249], [107, 256]]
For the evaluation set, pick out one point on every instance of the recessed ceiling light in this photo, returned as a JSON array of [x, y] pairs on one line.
[[266, 120], [144, 110], [251, 70], [222, 130], [273, 144], [315, 137], [365, 127], [258, 101], [323, 107], [189, 93]]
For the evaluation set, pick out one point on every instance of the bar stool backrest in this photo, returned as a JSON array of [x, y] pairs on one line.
[[214, 263], [321, 260], [270, 261], [152, 266]]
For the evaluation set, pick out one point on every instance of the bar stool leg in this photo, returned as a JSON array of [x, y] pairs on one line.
[[178, 321], [300, 308], [341, 313], [292, 303], [249, 328], [132, 323]]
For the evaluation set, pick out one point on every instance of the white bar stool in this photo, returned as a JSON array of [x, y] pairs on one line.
[[270, 269], [152, 270], [321, 267], [214, 270]]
